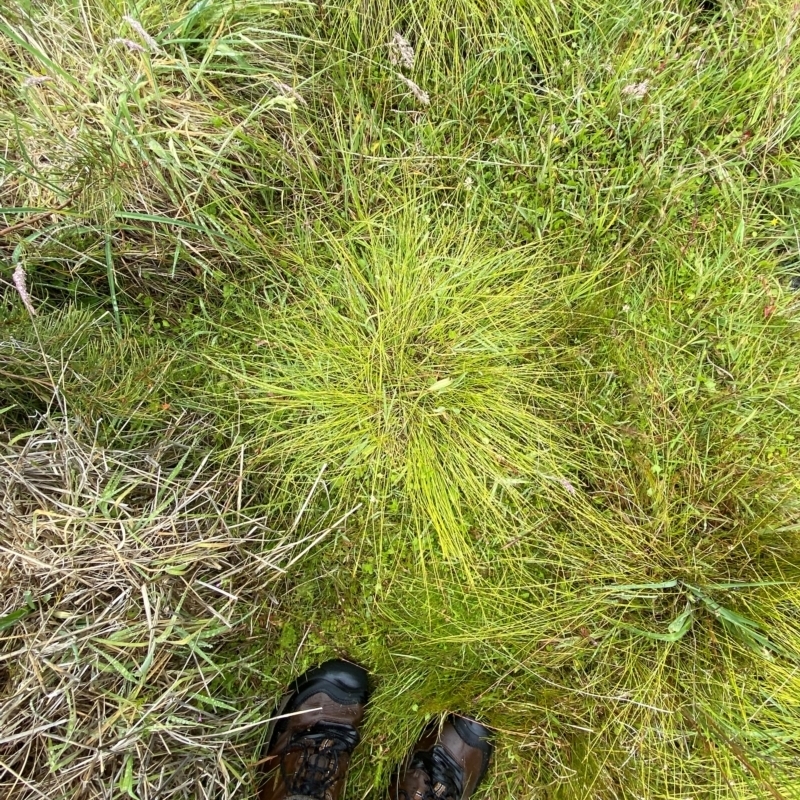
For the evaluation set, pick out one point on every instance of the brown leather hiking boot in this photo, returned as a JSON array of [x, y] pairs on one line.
[[309, 752], [446, 763]]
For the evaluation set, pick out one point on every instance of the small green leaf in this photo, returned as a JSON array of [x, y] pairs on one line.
[[440, 385], [13, 617], [126, 779], [681, 624]]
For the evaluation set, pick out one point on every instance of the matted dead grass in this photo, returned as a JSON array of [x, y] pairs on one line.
[[123, 576]]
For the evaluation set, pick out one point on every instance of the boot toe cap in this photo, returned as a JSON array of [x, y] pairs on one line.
[[347, 681]]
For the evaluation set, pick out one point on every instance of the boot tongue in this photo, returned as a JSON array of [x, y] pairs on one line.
[[315, 755], [445, 776]]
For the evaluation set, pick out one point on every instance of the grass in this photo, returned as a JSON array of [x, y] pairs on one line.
[[541, 333], [127, 573], [423, 369]]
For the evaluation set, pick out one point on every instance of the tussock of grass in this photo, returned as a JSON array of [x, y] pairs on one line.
[[428, 369]]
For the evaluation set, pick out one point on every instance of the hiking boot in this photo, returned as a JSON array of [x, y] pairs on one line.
[[309, 752], [446, 763]]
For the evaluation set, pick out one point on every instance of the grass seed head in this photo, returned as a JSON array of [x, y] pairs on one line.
[[423, 98], [137, 26], [401, 53], [18, 278]]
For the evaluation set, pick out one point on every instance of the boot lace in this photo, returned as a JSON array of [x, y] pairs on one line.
[[444, 778], [321, 748]]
